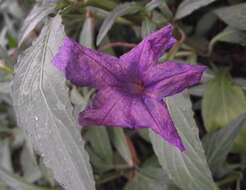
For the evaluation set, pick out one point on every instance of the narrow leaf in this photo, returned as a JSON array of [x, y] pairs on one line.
[[189, 169], [165, 9], [152, 5], [120, 142], [31, 171], [43, 110], [99, 140], [17, 182], [120, 10], [205, 24], [87, 33], [235, 15], [188, 6], [5, 155], [147, 27], [149, 178], [230, 35], [37, 14], [218, 144]]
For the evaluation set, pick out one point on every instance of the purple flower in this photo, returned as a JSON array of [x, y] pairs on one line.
[[130, 88]]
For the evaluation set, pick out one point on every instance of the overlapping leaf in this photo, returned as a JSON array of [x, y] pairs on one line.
[[235, 15], [218, 144], [223, 101], [37, 14], [149, 178], [230, 35], [120, 142], [189, 169], [43, 110], [188, 6], [120, 10]]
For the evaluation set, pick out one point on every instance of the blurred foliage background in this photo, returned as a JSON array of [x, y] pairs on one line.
[[209, 32]]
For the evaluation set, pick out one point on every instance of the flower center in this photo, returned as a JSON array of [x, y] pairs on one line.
[[135, 88]]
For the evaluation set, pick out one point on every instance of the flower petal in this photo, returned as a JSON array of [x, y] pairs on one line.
[[110, 107], [161, 122], [86, 67], [170, 78], [113, 108], [150, 49]]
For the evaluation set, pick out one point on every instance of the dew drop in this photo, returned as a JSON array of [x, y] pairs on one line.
[[36, 118]]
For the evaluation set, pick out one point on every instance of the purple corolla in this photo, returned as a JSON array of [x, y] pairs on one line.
[[130, 89]]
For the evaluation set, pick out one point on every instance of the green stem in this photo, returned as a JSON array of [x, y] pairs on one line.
[[105, 4], [109, 178]]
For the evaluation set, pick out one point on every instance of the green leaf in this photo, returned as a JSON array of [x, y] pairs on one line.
[[5, 56], [152, 5], [119, 10], [17, 182], [37, 14], [189, 169], [87, 33], [223, 101], [120, 142], [165, 9], [31, 171], [12, 43], [99, 140], [235, 15], [188, 6], [149, 178], [230, 35], [147, 27], [103, 4], [206, 22], [218, 144], [144, 133], [44, 110], [5, 155], [99, 165], [101, 14]]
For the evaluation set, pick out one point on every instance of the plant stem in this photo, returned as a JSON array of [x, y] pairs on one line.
[[106, 4]]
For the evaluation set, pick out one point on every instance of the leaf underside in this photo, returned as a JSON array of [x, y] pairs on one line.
[[44, 111]]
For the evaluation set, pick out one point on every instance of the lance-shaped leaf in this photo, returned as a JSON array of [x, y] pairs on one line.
[[218, 144], [235, 15], [188, 6], [120, 142], [43, 110], [87, 32], [17, 182], [99, 140], [120, 10], [189, 169], [149, 178], [37, 14], [230, 35], [5, 155]]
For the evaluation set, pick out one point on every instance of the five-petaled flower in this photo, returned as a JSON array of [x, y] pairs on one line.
[[130, 88]]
